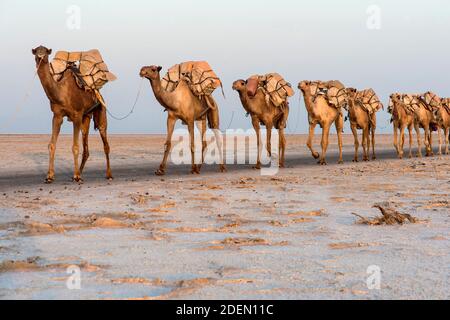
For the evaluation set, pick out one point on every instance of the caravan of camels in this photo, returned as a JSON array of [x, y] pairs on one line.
[[72, 83]]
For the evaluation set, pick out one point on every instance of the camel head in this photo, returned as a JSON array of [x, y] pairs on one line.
[[304, 85], [240, 85], [351, 92], [41, 53], [151, 73]]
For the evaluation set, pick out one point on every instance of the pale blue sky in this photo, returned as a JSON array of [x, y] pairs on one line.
[[322, 39]]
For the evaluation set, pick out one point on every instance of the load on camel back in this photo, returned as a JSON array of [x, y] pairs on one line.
[[275, 88], [333, 91], [90, 71], [368, 100], [202, 81]]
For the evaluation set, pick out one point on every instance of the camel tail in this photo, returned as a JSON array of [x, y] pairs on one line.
[[97, 115], [213, 113]]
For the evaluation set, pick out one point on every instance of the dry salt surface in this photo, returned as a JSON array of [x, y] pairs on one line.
[[237, 235]]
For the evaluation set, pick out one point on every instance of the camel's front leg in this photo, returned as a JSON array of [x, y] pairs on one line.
[[373, 129], [76, 150], [56, 127], [429, 141], [324, 143], [355, 136], [282, 147], [257, 127], [201, 125], [447, 129], [410, 129], [339, 128], [309, 143], [396, 146], [195, 169], [440, 140], [85, 134], [168, 145], [402, 142], [219, 143]]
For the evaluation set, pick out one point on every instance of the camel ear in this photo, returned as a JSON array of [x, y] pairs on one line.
[[159, 68], [33, 51], [49, 51]]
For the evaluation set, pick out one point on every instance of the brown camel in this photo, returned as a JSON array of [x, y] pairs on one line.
[[442, 115], [266, 114], [182, 104], [360, 119], [68, 100], [322, 113], [402, 118], [424, 118]]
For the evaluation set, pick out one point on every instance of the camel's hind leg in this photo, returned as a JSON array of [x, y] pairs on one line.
[[312, 127], [447, 133], [402, 142], [396, 146], [440, 140], [269, 139], [195, 168], [219, 143], [365, 140], [101, 122], [167, 146], [339, 128], [85, 134], [257, 127], [410, 129], [56, 127], [201, 125], [355, 135], [373, 129], [282, 147], [429, 141]]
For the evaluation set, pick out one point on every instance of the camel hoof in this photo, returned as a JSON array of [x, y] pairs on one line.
[[49, 180], [374, 158], [322, 162], [257, 167], [355, 160], [341, 162], [316, 155], [160, 172], [110, 178], [282, 166], [77, 179], [222, 168], [195, 170]]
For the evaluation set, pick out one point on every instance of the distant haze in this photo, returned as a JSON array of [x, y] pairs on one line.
[[299, 39]]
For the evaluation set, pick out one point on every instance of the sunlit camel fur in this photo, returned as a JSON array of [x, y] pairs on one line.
[[402, 119]]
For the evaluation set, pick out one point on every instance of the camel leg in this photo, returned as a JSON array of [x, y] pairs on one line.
[[269, 140], [195, 169], [419, 142], [202, 128], [374, 156], [282, 149], [429, 141], [257, 127], [410, 141], [402, 142], [56, 127], [102, 128], [168, 145], [339, 128], [219, 143], [324, 143], [396, 138], [312, 127], [76, 150], [365, 140], [355, 135], [85, 134], [440, 141], [446, 139]]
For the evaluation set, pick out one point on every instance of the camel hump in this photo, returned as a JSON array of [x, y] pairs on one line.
[[199, 76], [369, 100], [92, 71]]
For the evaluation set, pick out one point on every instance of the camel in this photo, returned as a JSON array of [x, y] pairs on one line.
[[182, 104], [322, 113], [442, 115], [401, 119], [360, 119], [424, 118], [68, 100], [265, 114]]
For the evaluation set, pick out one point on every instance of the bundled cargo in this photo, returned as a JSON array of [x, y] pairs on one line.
[[91, 71], [445, 103], [369, 100], [333, 91], [200, 77], [276, 89]]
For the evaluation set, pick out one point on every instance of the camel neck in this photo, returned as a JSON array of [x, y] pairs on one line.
[[160, 93], [246, 103], [308, 100], [48, 83]]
